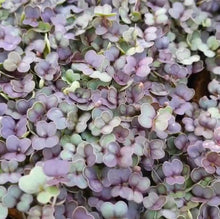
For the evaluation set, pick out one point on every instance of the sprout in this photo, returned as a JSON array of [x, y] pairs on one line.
[[75, 174], [15, 198], [9, 37], [16, 148], [46, 135], [118, 210], [154, 202], [9, 172], [110, 109], [172, 170], [31, 16], [147, 114], [10, 127], [36, 183], [104, 123], [117, 156], [48, 69], [184, 57], [14, 61], [95, 66]]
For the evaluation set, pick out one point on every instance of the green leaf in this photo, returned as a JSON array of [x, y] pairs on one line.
[[70, 76], [178, 194], [214, 111], [34, 182], [42, 27], [123, 46], [167, 109], [124, 15], [75, 139], [164, 115], [151, 215], [70, 20], [186, 171], [3, 191], [103, 76], [106, 139], [4, 14], [89, 137], [147, 115], [4, 211], [72, 88], [135, 160], [171, 148], [133, 50], [107, 210], [156, 64], [130, 35], [29, 36], [213, 43], [46, 195], [207, 22], [53, 190], [161, 189], [95, 83], [136, 16]]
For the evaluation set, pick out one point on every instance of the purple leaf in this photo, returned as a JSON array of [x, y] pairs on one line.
[[81, 212], [16, 148], [172, 170]]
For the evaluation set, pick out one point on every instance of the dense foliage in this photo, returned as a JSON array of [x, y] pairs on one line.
[[97, 118]]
